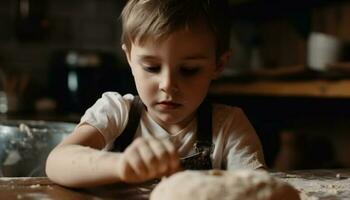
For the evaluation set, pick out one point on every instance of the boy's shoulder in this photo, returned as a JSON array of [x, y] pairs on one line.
[[116, 96], [114, 100], [224, 109], [223, 113]]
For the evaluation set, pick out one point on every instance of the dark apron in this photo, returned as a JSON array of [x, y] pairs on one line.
[[200, 160]]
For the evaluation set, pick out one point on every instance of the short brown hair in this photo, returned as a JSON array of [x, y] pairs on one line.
[[143, 19]]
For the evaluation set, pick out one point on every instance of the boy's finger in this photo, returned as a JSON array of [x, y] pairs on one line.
[[169, 146], [174, 158], [148, 158], [136, 163], [161, 153], [126, 173]]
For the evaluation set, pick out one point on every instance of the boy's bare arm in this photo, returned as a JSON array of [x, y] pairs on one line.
[[79, 162]]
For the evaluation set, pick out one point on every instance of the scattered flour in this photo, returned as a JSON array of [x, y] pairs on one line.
[[35, 186]]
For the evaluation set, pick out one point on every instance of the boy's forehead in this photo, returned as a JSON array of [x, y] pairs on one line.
[[181, 45], [195, 30]]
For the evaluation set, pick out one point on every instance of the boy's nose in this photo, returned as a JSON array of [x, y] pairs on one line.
[[168, 84]]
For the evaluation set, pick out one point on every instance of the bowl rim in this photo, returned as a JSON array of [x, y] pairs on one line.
[[37, 125]]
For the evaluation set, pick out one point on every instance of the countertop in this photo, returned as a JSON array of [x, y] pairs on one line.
[[319, 184], [42, 188], [314, 184]]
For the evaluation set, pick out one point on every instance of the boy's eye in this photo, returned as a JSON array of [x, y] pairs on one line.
[[189, 71], [152, 69]]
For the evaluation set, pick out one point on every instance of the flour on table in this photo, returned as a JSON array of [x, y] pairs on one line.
[[223, 185]]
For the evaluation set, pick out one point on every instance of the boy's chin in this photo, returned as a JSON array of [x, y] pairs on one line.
[[171, 118]]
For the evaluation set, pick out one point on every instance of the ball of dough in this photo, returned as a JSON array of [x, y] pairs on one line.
[[223, 185]]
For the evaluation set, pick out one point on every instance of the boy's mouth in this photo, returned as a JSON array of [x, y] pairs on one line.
[[168, 105]]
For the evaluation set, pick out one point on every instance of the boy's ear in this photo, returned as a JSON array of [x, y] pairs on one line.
[[222, 62], [127, 52]]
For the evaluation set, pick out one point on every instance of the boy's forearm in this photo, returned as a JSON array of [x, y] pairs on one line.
[[79, 166]]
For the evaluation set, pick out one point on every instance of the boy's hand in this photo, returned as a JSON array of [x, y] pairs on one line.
[[146, 159]]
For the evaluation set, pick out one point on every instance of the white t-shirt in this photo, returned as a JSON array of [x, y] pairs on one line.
[[236, 144]]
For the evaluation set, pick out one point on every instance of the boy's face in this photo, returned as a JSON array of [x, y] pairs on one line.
[[173, 75]]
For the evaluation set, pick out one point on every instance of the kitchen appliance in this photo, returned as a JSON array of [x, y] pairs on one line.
[[31, 20], [79, 77]]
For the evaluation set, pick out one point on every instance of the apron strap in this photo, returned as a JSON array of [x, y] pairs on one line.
[[128, 134], [201, 160], [204, 125]]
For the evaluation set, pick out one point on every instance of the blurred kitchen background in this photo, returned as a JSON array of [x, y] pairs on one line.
[[290, 69]]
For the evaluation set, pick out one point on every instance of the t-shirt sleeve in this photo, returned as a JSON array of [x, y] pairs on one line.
[[243, 148], [109, 115]]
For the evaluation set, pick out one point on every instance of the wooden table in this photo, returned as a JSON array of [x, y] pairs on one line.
[[320, 184], [29, 188]]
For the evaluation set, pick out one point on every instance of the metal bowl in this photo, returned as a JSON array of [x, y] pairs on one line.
[[25, 145]]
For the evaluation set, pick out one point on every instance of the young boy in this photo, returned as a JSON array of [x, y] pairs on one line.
[[175, 48]]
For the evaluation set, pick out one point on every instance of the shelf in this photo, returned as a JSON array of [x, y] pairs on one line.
[[268, 9], [312, 88]]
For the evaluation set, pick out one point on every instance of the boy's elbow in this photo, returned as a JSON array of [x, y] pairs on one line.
[[50, 166], [54, 168]]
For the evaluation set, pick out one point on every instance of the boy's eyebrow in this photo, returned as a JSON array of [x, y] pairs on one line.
[[190, 57], [147, 57], [196, 57]]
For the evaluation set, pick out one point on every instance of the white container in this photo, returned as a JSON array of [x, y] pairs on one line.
[[3, 102], [322, 50], [3, 95]]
